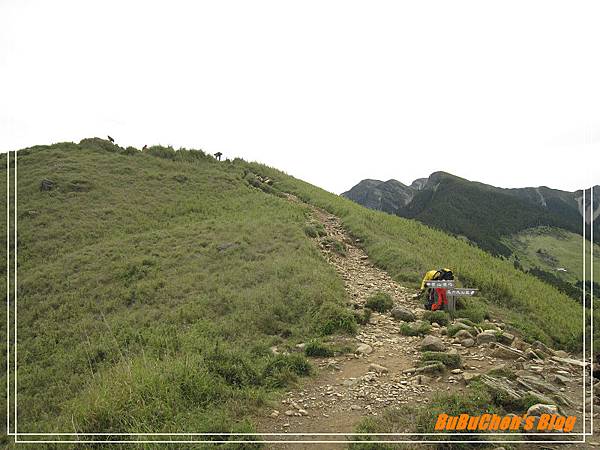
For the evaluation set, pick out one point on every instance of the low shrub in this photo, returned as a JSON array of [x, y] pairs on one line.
[[363, 316], [332, 318], [380, 302], [316, 348], [419, 329], [449, 360], [440, 317]]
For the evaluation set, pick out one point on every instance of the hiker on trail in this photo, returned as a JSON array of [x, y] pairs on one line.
[[435, 298], [218, 155]]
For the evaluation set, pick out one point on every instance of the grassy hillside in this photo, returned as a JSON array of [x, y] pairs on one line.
[[552, 248], [151, 289], [152, 286], [407, 248]]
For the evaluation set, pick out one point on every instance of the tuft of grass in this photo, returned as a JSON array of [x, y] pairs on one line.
[[440, 317], [450, 361], [380, 302], [472, 308], [316, 348], [315, 230], [332, 318], [334, 245], [453, 329], [420, 329], [363, 316]]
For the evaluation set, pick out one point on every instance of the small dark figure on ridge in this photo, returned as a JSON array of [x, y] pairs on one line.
[[111, 139], [218, 155]]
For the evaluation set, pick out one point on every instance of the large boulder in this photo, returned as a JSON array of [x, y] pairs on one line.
[[486, 337], [402, 313], [432, 343], [463, 334], [539, 409]]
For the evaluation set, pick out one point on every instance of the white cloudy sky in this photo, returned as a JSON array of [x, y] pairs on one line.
[[505, 92]]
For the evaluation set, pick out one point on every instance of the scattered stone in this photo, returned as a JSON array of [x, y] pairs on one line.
[[402, 313], [540, 346], [303, 412], [432, 343], [377, 368], [572, 362], [505, 352], [456, 371], [467, 343], [289, 412], [301, 346], [275, 413], [364, 349], [561, 354]]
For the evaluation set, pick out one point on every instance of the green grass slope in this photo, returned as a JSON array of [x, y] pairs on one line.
[[151, 288], [551, 248]]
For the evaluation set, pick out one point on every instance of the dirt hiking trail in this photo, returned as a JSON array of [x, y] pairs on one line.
[[350, 387]]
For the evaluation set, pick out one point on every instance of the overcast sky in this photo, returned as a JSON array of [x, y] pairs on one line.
[[504, 92]]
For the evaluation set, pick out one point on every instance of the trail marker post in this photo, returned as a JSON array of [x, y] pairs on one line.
[[451, 291]]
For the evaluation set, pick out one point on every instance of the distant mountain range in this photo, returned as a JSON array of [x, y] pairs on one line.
[[480, 212]]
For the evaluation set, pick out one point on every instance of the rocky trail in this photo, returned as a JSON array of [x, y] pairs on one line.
[[383, 371]]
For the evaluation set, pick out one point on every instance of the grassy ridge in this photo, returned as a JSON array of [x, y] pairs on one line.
[[406, 249], [150, 291]]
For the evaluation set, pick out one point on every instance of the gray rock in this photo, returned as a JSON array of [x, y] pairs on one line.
[[432, 343], [463, 334], [539, 409], [364, 349], [468, 377], [467, 343], [504, 352], [506, 338], [486, 337], [402, 313], [377, 368]]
